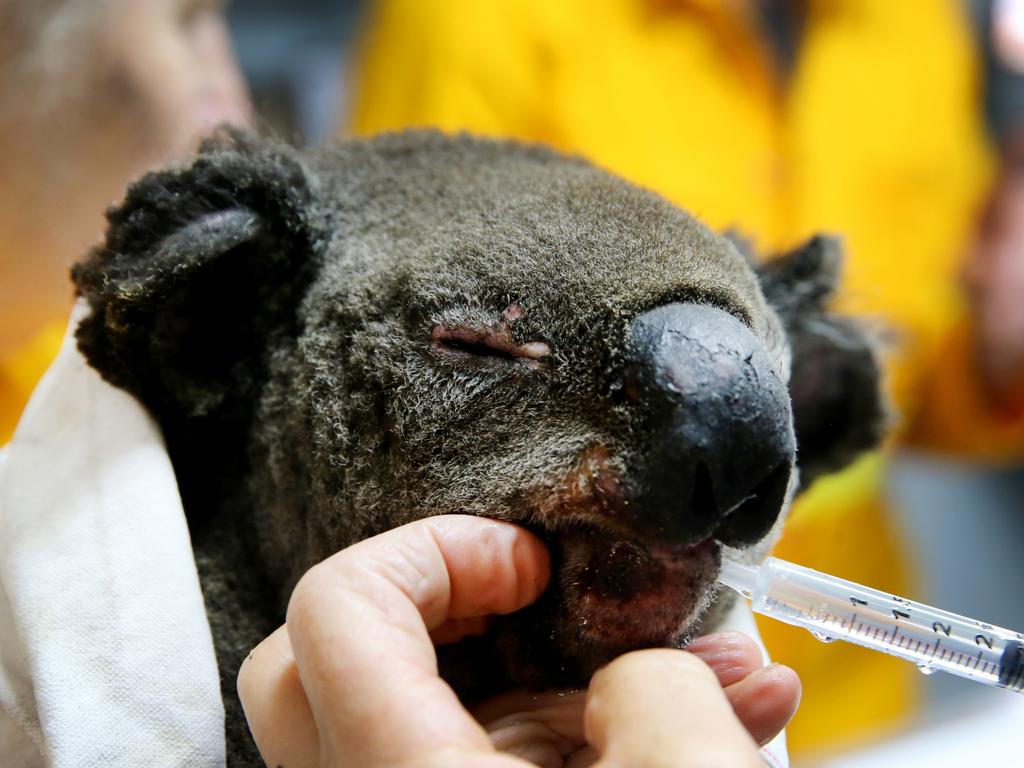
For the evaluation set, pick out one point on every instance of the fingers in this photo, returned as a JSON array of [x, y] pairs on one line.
[[547, 728], [764, 698], [350, 679], [358, 634], [275, 705], [731, 655], [661, 708], [542, 728]]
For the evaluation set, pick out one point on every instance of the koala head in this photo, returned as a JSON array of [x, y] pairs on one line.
[[341, 341]]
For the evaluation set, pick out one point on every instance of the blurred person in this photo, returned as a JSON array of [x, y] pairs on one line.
[[92, 94], [858, 117]]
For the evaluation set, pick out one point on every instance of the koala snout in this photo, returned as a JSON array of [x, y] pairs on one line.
[[716, 426]]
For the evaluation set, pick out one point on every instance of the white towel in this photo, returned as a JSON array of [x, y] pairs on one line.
[[106, 657]]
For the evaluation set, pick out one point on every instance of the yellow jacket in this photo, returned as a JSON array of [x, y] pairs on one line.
[[20, 372], [876, 135]]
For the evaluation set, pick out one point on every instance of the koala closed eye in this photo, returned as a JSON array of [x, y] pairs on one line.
[[487, 343]]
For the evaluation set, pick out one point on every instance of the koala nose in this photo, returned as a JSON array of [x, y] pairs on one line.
[[716, 426]]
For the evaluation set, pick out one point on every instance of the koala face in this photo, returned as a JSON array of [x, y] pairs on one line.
[[344, 341]]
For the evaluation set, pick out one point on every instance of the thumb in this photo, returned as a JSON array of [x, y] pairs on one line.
[[664, 707], [357, 649]]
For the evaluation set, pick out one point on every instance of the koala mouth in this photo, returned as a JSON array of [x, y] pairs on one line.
[[619, 581], [628, 594]]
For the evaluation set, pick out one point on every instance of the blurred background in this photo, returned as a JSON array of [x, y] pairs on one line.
[[897, 125], [297, 59]]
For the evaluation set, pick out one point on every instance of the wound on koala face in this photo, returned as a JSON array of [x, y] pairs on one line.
[[339, 341]]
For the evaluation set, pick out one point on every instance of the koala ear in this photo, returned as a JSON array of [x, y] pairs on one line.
[[201, 265], [835, 385]]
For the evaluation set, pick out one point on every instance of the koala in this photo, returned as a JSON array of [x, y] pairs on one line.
[[339, 341]]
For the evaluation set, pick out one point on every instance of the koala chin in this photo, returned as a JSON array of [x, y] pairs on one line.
[[339, 341]]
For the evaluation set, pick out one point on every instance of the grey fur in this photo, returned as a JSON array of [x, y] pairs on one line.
[[274, 310]]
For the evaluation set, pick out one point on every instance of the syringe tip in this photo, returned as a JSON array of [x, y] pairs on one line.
[[738, 576]]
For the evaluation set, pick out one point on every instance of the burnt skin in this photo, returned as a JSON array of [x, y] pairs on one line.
[[612, 591], [273, 310]]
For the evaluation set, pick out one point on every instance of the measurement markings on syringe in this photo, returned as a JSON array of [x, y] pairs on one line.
[[934, 639], [909, 641]]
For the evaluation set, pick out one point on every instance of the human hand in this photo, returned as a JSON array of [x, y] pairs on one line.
[[351, 679]]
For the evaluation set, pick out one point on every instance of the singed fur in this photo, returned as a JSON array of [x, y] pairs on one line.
[[274, 309]]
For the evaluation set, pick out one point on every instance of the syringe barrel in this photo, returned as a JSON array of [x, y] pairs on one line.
[[837, 609]]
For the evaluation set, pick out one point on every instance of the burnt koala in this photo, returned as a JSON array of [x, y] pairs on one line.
[[340, 341]]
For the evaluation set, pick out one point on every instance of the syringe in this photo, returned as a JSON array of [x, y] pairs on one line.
[[836, 609]]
